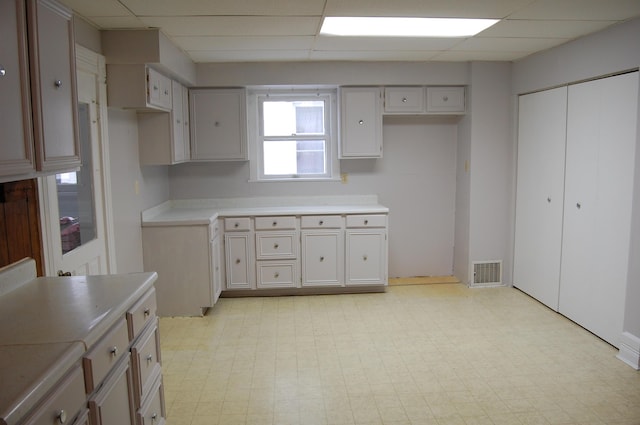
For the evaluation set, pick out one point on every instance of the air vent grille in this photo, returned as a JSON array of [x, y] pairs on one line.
[[487, 273]]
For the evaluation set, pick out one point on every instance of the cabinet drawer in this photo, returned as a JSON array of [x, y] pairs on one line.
[[277, 274], [237, 223], [64, 403], [141, 313], [275, 223], [105, 354], [152, 411], [445, 99], [373, 220], [146, 361], [276, 246], [404, 99], [321, 221], [111, 404]]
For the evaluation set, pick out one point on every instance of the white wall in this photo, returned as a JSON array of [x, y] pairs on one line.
[[131, 198], [610, 51], [415, 179], [463, 198]]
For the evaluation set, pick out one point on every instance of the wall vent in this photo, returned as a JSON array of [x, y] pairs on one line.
[[487, 273]]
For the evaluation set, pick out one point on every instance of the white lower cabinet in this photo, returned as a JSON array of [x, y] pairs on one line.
[[365, 255], [322, 258], [112, 404], [240, 266]]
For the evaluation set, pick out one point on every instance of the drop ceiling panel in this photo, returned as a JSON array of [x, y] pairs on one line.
[[248, 55], [492, 44], [422, 8], [370, 55], [579, 10], [130, 22], [543, 29], [243, 43], [90, 8], [225, 7], [463, 55], [380, 43], [234, 25]]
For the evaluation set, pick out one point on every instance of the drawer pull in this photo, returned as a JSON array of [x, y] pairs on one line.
[[275, 246], [154, 417], [236, 225], [445, 98], [404, 100], [366, 222], [113, 351], [321, 222], [57, 83], [147, 312], [237, 261], [149, 358], [364, 257], [61, 417], [361, 122], [276, 275], [321, 259], [275, 223]]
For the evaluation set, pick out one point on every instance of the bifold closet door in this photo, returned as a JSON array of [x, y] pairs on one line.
[[601, 138], [540, 192]]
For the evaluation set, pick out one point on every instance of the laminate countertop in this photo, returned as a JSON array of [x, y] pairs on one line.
[[48, 323], [205, 211]]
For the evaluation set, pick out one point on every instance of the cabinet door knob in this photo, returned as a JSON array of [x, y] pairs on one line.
[[445, 98], [366, 222], [321, 223], [364, 257], [275, 246], [549, 199], [361, 122], [237, 261], [578, 205], [275, 223], [57, 83], [276, 275], [321, 259], [236, 225], [113, 351], [149, 358], [147, 312], [3, 71], [61, 417], [404, 100]]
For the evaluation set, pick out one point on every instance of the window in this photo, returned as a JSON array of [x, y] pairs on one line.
[[294, 135]]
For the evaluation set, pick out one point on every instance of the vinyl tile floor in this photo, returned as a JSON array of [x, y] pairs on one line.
[[419, 354]]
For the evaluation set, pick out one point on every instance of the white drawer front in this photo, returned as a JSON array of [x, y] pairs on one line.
[[141, 313], [321, 221], [272, 245], [237, 223], [275, 223], [105, 354], [369, 220], [146, 362], [281, 274], [66, 401], [404, 99]]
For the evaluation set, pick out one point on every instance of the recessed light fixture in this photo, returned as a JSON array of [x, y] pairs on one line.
[[403, 27]]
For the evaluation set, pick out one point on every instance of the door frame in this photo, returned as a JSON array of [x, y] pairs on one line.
[[92, 63]]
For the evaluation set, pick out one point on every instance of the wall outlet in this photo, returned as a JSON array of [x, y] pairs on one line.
[[344, 178]]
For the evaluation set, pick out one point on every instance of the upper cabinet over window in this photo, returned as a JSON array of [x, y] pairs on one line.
[[38, 112]]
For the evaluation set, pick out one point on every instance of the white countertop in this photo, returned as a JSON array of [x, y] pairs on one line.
[[205, 211], [48, 323]]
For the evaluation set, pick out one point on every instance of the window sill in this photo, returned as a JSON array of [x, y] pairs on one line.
[[297, 179]]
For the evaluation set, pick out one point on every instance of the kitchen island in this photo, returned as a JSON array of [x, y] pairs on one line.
[[70, 348]]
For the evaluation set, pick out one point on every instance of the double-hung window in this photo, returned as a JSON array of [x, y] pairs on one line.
[[295, 137]]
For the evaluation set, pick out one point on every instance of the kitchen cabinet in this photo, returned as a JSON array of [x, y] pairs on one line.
[[540, 191], [139, 87], [583, 243], [404, 100], [39, 117], [188, 271], [277, 246], [322, 251], [446, 100], [218, 124], [361, 122], [112, 404], [366, 250], [163, 137], [239, 249]]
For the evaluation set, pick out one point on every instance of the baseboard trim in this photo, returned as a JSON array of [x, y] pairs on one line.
[[629, 351]]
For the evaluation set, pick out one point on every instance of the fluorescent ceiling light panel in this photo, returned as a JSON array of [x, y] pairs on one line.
[[404, 27]]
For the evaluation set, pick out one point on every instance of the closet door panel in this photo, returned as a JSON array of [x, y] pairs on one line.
[[601, 137], [540, 193]]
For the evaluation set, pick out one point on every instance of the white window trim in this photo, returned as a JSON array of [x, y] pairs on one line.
[[256, 173]]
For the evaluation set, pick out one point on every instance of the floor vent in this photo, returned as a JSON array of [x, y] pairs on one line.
[[487, 273]]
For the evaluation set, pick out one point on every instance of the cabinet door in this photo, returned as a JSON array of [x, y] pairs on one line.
[[445, 100], [540, 194], [16, 136], [186, 134], [240, 264], [112, 404], [53, 86], [601, 138], [403, 100], [159, 91], [322, 258], [361, 122], [178, 145], [366, 257], [218, 124], [216, 277]]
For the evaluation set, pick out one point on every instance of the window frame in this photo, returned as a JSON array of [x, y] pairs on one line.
[[256, 97]]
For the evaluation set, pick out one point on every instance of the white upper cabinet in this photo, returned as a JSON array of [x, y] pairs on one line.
[[446, 100], [218, 124], [361, 122], [137, 86], [404, 100], [39, 100]]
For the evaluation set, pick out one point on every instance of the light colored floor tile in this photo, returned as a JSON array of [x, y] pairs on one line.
[[417, 354]]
